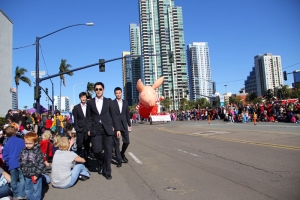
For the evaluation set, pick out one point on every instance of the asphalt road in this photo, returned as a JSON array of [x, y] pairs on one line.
[[197, 160]]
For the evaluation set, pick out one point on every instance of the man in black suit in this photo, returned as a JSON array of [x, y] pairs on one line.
[[80, 125], [102, 117], [122, 111]]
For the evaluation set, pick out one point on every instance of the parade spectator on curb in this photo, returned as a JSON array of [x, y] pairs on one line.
[[55, 147], [64, 172], [9, 115], [4, 181], [32, 165], [11, 154], [48, 123], [46, 147], [58, 122]]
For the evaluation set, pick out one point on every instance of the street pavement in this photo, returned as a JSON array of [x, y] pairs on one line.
[[197, 160]]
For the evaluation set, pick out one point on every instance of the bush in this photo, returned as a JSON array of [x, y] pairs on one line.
[[2, 121]]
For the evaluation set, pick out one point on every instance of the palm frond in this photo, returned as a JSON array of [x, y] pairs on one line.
[[26, 80]]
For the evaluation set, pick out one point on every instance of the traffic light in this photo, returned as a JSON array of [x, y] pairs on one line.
[[284, 76], [55, 107], [37, 92], [171, 57], [101, 65], [47, 91], [34, 105], [187, 92], [50, 108]]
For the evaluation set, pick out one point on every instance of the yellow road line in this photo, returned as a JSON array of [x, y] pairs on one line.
[[235, 140]]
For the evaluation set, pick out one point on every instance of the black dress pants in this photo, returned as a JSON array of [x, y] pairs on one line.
[[103, 141]]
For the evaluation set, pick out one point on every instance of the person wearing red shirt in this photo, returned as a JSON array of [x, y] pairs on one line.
[[46, 147], [48, 123]]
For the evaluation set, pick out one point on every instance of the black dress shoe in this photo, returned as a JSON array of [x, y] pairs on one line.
[[100, 169], [108, 177], [125, 160], [119, 164], [87, 165]]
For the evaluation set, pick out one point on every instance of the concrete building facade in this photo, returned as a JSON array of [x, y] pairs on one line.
[[65, 103], [268, 70], [200, 75], [250, 82], [6, 41]]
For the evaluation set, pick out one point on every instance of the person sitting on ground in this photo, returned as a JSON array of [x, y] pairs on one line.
[[4, 187], [72, 136], [56, 139], [32, 165], [64, 172], [11, 153], [46, 147]]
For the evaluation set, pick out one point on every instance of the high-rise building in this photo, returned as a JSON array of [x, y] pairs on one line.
[[65, 104], [161, 27], [14, 98], [200, 76], [127, 77], [268, 70], [250, 83], [296, 75], [6, 32], [136, 69]]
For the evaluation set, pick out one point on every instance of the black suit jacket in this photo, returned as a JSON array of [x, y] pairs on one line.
[[107, 116], [123, 117], [80, 121]]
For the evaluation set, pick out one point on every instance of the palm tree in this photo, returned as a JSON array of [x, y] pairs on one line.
[[19, 75], [64, 67], [25, 107], [90, 88], [167, 102]]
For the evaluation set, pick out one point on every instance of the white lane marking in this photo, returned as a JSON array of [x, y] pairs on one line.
[[192, 154], [135, 158]]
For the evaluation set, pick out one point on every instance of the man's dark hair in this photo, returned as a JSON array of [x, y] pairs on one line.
[[57, 111], [99, 83], [81, 94], [117, 88]]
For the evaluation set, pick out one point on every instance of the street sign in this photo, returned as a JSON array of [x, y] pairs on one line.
[[42, 73]]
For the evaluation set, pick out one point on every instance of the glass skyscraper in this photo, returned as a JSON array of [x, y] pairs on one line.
[[200, 76], [161, 28]]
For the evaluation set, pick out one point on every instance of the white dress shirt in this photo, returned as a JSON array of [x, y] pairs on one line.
[[99, 104], [120, 102], [83, 107]]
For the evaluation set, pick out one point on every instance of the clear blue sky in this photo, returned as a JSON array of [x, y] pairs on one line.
[[235, 30]]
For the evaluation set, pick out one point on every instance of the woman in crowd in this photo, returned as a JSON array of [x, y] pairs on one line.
[[64, 172]]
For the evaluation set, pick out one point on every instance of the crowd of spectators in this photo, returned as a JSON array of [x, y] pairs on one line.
[[265, 112], [36, 150]]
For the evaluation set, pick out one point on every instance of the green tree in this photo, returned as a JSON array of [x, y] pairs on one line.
[[25, 107], [250, 97], [132, 108], [257, 101], [64, 67], [90, 89], [269, 95], [166, 103], [295, 93], [19, 76], [183, 103], [235, 100]]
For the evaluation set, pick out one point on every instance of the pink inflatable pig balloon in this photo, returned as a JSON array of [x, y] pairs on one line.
[[148, 98]]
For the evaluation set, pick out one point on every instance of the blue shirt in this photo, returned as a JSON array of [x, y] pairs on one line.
[[11, 152]]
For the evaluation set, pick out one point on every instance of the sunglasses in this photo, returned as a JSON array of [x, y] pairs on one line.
[[100, 89]]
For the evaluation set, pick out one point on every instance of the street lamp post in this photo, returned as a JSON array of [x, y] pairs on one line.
[[74, 92], [37, 54]]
